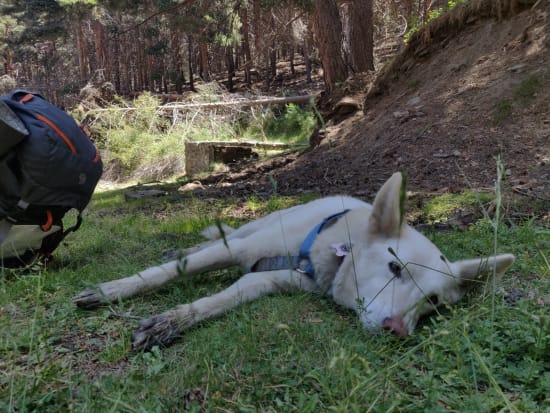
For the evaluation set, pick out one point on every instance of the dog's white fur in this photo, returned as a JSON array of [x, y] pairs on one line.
[[391, 277]]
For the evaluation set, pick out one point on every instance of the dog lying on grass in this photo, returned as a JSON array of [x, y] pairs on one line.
[[364, 256]]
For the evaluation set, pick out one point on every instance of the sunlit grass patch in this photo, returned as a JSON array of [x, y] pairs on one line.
[[440, 208]]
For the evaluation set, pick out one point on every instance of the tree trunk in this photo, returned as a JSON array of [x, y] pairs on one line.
[[126, 59], [81, 46], [8, 62], [149, 64], [205, 69], [8, 54], [256, 11], [190, 54], [116, 58], [270, 64], [230, 63], [292, 68], [140, 64], [328, 29], [308, 42], [361, 35], [98, 43], [246, 44], [273, 61], [177, 60]]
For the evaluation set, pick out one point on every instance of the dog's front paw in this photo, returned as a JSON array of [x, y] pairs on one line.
[[89, 299], [158, 330]]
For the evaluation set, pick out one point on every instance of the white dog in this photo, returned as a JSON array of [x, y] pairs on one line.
[[366, 257]]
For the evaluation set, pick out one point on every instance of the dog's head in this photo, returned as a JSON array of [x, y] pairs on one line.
[[399, 275]]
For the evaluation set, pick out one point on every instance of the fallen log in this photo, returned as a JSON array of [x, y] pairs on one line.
[[221, 104], [238, 103]]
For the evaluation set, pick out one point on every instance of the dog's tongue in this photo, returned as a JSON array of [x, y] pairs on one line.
[[395, 326]]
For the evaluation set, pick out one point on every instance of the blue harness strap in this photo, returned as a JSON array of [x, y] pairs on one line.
[[308, 242], [302, 262]]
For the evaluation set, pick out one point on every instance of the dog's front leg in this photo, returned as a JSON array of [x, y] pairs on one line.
[[163, 328], [127, 287], [217, 255]]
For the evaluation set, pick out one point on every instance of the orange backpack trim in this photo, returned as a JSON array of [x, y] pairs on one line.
[[58, 131], [26, 98], [52, 125], [49, 221]]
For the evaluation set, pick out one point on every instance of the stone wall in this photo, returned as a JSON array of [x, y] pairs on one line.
[[200, 155]]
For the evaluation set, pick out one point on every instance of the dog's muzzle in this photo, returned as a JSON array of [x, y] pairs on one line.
[[395, 326]]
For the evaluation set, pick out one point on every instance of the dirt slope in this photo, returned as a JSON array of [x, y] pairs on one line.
[[449, 110]]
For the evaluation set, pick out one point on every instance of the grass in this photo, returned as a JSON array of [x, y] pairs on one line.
[[296, 352], [503, 110], [440, 208], [528, 87]]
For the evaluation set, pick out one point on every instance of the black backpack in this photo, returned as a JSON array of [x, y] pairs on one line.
[[48, 166]]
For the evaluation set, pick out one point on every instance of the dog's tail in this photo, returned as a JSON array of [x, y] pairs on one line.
[[214, 232]]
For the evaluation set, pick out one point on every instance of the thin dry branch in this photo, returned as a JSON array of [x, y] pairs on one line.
[[238, 103], [222, 104]]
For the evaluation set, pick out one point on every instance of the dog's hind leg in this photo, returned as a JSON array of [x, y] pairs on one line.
[[164, 328], [217, 255]]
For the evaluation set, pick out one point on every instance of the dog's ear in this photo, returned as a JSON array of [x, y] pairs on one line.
[[475, 270], [386, 218]]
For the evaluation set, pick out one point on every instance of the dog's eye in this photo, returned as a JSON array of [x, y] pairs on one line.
[[395, 268]]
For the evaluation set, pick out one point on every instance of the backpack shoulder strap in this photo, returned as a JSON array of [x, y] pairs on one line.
[[75, 227]]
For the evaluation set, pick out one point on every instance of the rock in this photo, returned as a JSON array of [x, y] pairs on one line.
[[144, 193], [517, 68], [191, 186], [414, 101], [442, 154], [347, 104], [316, 137], [401, 114], [344, 108]]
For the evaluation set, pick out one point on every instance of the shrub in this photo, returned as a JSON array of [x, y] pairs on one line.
[[147, 143], [294, 125], [140, 142]]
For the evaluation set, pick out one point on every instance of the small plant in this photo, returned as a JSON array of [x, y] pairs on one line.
[[141, 141], [524, 92], [291, 123], [503, 111], [294, 125], [528, 87]]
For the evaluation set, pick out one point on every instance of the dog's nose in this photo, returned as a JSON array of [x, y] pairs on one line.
[[395, 326]]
